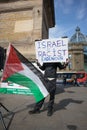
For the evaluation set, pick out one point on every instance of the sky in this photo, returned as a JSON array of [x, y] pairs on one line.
[[68, 15]]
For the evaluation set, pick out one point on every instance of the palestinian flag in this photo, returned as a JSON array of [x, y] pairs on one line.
[[20, 71]]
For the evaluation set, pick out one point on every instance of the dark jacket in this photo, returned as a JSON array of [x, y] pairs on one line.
[[51, 68]]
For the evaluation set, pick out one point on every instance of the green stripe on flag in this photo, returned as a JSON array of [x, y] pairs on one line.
[[25, 81], [15, 91]]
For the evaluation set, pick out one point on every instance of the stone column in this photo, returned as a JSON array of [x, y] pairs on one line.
[[77, 57]]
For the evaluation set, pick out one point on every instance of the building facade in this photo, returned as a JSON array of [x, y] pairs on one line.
[[76, 51], [24, 21]]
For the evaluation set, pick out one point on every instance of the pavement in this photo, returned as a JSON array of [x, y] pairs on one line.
[[70, 111]]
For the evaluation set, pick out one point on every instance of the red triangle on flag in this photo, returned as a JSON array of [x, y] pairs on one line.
[[12, 64]]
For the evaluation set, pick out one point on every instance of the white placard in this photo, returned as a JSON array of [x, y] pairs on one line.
[[52, 50]]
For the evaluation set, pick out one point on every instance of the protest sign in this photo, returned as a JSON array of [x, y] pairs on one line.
[[52, 50]]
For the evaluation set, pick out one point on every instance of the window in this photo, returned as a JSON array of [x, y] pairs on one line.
[[81, 75]]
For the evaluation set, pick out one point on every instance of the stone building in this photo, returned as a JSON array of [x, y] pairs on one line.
[[76, 51], [24, 21]]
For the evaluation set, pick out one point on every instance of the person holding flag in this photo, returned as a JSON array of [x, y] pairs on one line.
[[27, 79], [50, 77], [22, 72]]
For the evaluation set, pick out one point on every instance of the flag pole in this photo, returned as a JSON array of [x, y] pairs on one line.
[[2, 118], [1, 105], [2, 121]]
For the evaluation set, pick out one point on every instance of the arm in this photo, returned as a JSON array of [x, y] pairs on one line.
[[62, 66], [42, 67]]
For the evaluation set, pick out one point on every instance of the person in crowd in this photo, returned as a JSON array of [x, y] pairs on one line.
[[50, 70], [75, 81], [64, 80]]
